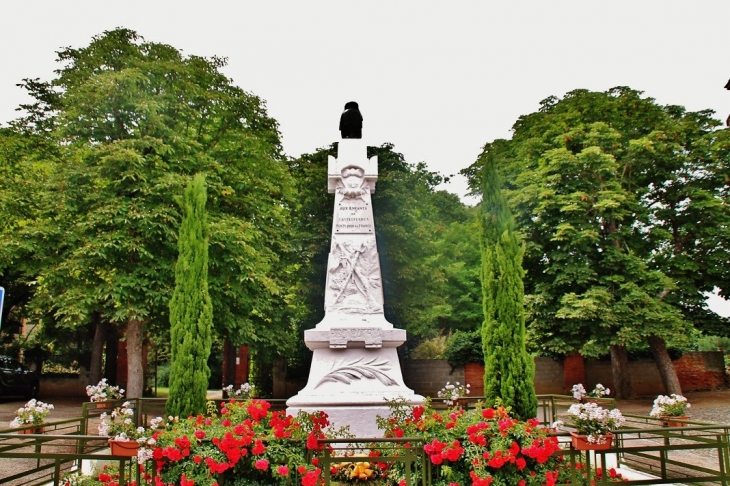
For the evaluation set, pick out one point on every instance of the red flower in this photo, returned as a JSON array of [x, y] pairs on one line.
[[182, 442], [311, 478], [478, 481], [197, 459], [258, 448], [261, 464], [488, 413], [551, 478], [283, 470], [199, 434], [521, 463], [418, 411], [312, 442]]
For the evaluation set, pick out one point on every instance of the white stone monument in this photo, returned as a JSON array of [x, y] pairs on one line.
[[355, 364]]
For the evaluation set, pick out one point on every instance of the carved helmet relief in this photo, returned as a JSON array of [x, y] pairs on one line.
[[352, 182]]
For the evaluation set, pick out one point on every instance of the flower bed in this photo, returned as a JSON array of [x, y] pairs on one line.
[[245, 443]]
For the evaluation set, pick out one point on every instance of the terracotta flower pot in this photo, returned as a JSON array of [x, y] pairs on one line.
[[107, 405], [124, 448], [580, 442], [34, 430], [671, 420]]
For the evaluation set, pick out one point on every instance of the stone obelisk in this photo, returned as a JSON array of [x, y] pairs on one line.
[[355, 364]]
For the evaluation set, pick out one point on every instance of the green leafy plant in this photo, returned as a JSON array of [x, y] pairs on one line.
[[434, 348], [464, 347]]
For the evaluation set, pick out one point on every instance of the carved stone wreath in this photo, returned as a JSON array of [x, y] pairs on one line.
[[356, 370]]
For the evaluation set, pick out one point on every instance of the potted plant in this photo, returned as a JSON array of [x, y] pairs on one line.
[[125, 437], [593, 425], [32, 413], [453, 394], [102, 392], [580, 394], [673, 406], [246, 391]]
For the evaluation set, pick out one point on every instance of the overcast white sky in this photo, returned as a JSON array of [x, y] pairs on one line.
[[436, 79]]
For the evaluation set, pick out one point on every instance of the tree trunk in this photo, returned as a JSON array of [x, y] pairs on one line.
[[97, 350], [620, 369], [664, 363], [135, 370]]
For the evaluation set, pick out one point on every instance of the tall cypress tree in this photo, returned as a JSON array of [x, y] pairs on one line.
[[509, 370], [191, 311]]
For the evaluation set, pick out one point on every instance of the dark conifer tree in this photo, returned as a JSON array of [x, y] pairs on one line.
[[508, 369], [191, 311]]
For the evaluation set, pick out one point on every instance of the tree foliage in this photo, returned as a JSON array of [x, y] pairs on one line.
[[130, 121], [623, 205], [191, 310], [509, 371]]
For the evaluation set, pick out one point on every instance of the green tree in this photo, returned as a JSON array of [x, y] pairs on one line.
[[130, 121], [191, 311], [509, 371], [609, 189]]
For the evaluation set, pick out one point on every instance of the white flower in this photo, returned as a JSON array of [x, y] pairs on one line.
[[156, 422], [578, 391], [143, 455]]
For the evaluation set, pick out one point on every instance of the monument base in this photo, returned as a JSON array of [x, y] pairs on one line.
[[361, 421], [352, 385]]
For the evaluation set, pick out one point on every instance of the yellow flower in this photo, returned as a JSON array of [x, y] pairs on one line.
[[361, 471]]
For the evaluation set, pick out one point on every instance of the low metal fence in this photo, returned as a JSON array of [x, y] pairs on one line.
[[44, 458], [645, 451], [416, 468]]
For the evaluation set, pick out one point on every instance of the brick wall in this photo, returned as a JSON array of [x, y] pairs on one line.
[[700, 370], [427, 376], [696, 371]]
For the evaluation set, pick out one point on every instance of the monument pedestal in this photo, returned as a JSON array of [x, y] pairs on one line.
[[355, 366]]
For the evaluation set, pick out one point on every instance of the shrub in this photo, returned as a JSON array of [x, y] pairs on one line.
[[434, 348], [464, 347]]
